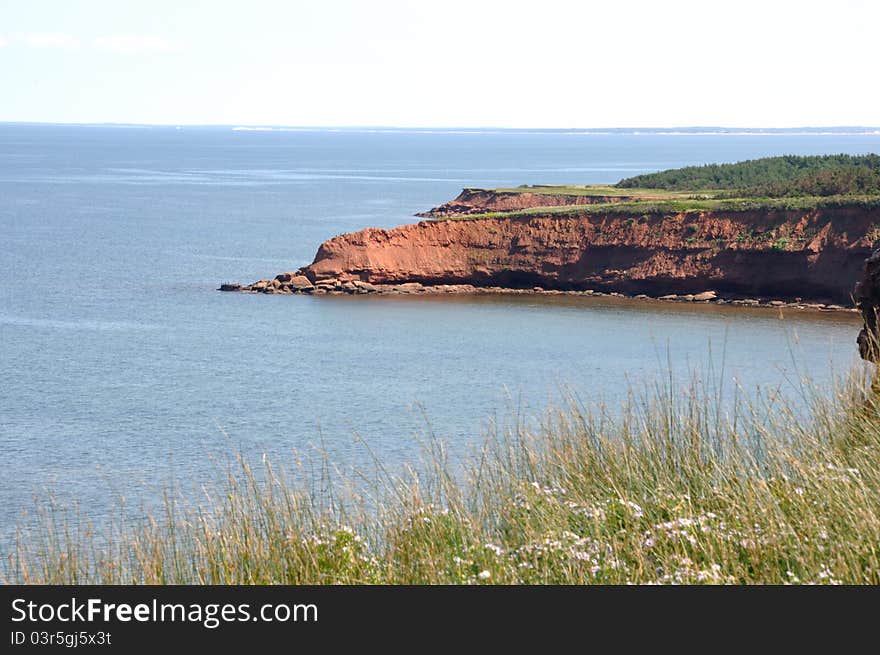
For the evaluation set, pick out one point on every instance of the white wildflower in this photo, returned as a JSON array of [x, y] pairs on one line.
[[520, 501], [498, 550], [637, 511]]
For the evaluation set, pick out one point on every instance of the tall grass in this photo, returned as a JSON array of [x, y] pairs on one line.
[[677, 487]]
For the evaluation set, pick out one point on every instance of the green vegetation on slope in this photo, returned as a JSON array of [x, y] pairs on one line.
[[599, 190], [789, 175], [682, 205], [769, 184], [677, 488]]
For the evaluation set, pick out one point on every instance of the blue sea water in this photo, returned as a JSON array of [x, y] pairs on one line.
[[120, 363]]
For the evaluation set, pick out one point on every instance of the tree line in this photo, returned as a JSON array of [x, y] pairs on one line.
[[773, 177]]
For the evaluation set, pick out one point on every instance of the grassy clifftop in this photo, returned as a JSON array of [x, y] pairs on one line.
[[769, 184], [686, 205], [598, 190]]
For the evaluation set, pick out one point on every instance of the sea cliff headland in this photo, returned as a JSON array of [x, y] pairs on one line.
[[799, 239]]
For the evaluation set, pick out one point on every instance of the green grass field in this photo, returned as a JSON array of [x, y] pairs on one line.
[[770, 183], [682, 205], [602, 191]]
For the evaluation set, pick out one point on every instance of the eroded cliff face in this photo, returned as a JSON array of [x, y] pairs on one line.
[[816, 255]]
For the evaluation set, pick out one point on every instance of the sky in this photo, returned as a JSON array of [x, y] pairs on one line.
[[442, 63]]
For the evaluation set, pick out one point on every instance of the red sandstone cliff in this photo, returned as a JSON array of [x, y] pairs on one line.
[[817, 254]]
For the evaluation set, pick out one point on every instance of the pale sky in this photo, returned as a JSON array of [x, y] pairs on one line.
[[473, 63]]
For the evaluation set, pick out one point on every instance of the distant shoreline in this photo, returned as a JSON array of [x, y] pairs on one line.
[[831, 130]]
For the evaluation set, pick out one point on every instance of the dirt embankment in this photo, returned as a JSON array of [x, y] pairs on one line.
[[813, 255]]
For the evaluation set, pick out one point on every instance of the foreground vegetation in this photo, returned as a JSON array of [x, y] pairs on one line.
[[679, 487]]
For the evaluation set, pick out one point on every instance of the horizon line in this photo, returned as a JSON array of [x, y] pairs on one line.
[[256, 126]]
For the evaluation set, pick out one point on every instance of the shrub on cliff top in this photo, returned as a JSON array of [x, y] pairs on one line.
[[780, 243]]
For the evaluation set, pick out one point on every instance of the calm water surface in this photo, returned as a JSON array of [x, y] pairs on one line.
[[119, 361]]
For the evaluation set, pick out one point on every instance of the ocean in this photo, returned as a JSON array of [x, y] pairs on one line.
[[121, 365]]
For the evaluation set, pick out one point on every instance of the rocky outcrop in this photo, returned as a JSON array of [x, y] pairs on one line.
[[480, 201], [338, 287], [867, 297], [811, 255]]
